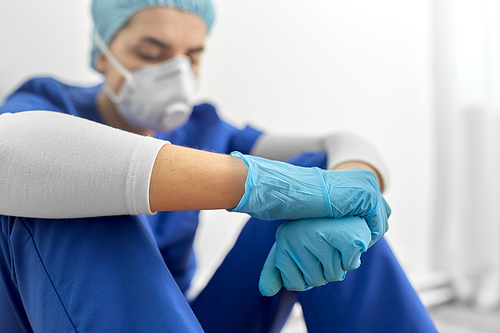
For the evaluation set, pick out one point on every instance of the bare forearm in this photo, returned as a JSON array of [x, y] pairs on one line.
[[190, 179]]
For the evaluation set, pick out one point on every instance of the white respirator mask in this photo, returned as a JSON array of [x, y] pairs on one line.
[[158, 97]]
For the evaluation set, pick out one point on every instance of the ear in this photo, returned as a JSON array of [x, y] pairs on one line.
[[101, 64]]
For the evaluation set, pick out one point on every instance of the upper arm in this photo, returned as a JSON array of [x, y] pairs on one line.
[[283, 147]]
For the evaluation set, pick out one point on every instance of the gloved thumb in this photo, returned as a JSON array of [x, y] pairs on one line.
[[270, 281]]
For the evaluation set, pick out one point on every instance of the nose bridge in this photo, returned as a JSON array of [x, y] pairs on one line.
[[182, 51]]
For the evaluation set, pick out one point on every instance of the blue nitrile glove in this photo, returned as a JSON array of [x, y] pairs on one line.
[[277, 190], [310, 253]]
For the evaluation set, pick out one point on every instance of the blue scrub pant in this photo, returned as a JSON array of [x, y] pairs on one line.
[[107, 275]]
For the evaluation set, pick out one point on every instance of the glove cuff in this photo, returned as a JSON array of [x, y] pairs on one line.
[[278, 190]]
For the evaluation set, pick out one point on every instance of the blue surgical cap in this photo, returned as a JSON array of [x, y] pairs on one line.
[[110, 15]]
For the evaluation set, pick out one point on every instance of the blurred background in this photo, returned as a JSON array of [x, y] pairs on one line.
[[418, 78]]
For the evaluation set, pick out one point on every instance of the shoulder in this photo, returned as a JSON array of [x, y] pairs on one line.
[[25, 98], [52, 88], [42, 86], [205, 111]]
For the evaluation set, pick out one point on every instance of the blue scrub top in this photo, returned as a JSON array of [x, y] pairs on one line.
[[174, 231]]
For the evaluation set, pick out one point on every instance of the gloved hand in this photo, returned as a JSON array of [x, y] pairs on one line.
[[310, 253], [277, 190]]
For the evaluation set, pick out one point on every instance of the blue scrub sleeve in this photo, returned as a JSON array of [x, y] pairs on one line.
[[244, 140]]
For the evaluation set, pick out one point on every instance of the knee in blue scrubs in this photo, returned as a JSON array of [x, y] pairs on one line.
[[87, 275]]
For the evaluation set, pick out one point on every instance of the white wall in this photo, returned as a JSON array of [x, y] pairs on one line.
[[286, 67], [44, 38], [321, 66]]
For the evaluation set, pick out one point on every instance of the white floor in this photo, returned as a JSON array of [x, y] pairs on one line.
[[456, 317], [295, 323], [452, 317]]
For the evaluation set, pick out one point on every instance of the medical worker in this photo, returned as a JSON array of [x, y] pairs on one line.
[[100, 193]]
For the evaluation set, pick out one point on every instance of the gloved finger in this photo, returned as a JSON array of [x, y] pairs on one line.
[[332, 266], [384, 207], [291, 275], [350, 236], [376, 233], [270, 281], [387, 207], [378, 222], [351, 260], [354, 240], [311, 268]]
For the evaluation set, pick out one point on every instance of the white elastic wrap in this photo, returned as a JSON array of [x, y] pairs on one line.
[[282, 147], [346, 147], [54, 165], [340, 148]]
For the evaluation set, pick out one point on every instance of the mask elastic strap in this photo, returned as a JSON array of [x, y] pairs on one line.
[[111, 58]]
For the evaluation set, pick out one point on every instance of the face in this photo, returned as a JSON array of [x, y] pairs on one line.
[[151, 36]]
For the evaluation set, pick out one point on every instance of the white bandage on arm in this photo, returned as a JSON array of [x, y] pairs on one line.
[[345, 147], [54, 165], [282, 147], [340, 148]]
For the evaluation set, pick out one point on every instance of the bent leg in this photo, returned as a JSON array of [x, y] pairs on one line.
[[376, 297], [89, 275]]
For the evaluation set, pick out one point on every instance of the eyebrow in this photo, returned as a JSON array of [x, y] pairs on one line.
[[166, 46], [156, 42], [196, 49]]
